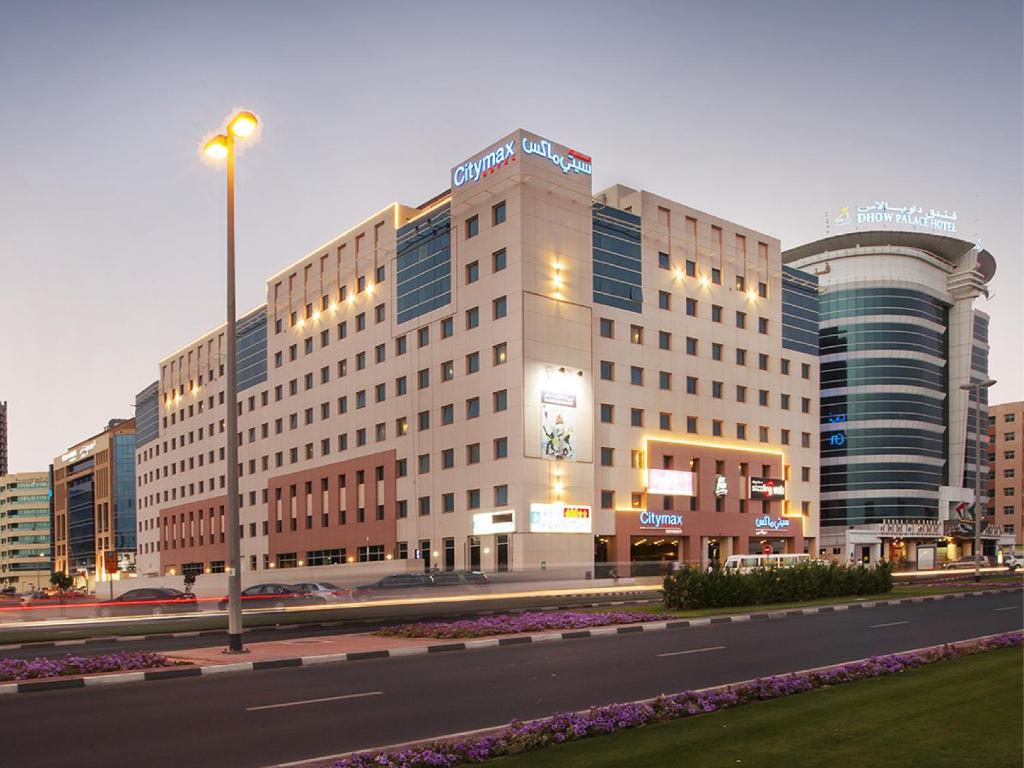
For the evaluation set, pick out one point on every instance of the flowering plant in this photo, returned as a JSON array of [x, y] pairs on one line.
[[518, 737], [29, 669], [507, 624]]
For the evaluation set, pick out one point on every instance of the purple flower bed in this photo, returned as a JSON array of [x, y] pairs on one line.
[[520, 737], [30, 669], [508, 624]]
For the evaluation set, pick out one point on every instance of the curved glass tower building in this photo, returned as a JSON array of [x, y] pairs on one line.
[[898, 335]]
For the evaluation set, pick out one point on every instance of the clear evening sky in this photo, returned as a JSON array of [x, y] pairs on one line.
[[765, 113]]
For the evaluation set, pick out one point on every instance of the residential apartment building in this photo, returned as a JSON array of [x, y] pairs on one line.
[[1006, 470], [94, 505], [25, 530], [899, 335], [517, 374]]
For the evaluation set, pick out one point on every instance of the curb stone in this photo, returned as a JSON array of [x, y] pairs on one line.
[[119, 678]]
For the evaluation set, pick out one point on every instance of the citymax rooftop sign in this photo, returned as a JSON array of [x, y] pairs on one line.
[[474, 170]]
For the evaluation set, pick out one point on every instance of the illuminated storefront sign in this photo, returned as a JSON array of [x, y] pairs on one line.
[[721, 486], [486, 523], [560, 518], [881, 212], [769, 523], [474, 170], [767, 488], [662, 521], [78, 453], [670, 482]]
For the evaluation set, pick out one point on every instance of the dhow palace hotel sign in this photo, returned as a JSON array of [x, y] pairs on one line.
[[909, 216]]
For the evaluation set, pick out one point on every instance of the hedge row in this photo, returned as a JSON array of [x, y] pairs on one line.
[[695, 588]]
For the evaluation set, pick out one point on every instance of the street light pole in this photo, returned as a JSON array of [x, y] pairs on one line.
[[222, 146], [976, 387], [231, 398]]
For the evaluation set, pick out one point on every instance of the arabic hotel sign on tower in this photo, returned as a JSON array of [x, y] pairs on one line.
[[910, 216]]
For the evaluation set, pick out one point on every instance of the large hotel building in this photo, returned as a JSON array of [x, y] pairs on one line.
[[900, 333], [517, 374]]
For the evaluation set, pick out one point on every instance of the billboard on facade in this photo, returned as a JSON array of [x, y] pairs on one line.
[[767, 488], [486, 523], [558, 425], [560, 518], [670, 482]]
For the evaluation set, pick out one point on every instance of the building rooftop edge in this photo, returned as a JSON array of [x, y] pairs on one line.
[[949, 249]]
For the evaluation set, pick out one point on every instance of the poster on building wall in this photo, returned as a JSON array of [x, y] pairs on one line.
[[558, 425]]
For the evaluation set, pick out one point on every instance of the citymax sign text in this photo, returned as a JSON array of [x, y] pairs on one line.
[[657, 520], [474, 170]]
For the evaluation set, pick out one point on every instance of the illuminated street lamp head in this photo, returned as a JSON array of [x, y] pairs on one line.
[[217, 147], [243, 124]]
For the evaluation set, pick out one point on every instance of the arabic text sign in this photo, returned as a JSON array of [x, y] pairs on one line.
[[769, 523], [560, 518], [881, 212], [670, 482], [767, 488]]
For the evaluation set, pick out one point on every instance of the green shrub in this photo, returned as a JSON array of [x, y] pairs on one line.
[[694, 588]]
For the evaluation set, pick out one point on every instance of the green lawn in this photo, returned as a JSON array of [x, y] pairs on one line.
[[899, 592], [967, 712]]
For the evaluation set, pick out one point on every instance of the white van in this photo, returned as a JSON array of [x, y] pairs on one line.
[[746, 563]]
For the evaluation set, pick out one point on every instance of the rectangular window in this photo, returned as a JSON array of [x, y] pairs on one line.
[[472, 227], [664, 340], [716, 313], [473, 408], [498, 213], [716, 351], [500, 354], [472, 362], [607, 456], [636, 375], [664, 380], [498, 260], [607, 328], [472, 318], [500, 307], [472, 272], [448, 458], [691, 345], [665, 421], [501, 448], [636, 334], [691, 268], [607, 371], [664, 300], [447, 414], [501, 400], [663, 260], [691, 307], [741, 319], [636, 417], [691, 385], [473, 453]]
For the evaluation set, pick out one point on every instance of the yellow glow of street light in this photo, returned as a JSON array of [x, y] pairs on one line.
[[242, 125], [217, 147]]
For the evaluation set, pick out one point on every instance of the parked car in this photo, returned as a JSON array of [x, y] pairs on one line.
[[968, 561], [158, 601], [325, 591], [397, 585], [459, 578], [9, 591], [272, 596], [1012, 561]]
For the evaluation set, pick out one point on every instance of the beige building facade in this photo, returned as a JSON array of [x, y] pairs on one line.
[[25, 530], [518, 374], [1006, 470]]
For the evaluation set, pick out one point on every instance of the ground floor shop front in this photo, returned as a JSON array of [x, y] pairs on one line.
[[650, 544]]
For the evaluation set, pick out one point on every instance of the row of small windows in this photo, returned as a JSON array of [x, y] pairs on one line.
[[637, 418], [607, 453], [881, 336], [860, 302], [637, 375]]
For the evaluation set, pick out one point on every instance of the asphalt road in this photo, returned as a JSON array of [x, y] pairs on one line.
[[264, 718], [168, 643]]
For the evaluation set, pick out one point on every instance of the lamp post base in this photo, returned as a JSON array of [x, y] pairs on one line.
[[235, 644]]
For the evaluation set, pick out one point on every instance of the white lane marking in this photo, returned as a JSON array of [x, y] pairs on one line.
[[315, 701], [1008, 608], [890, 624], [695, 650]]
